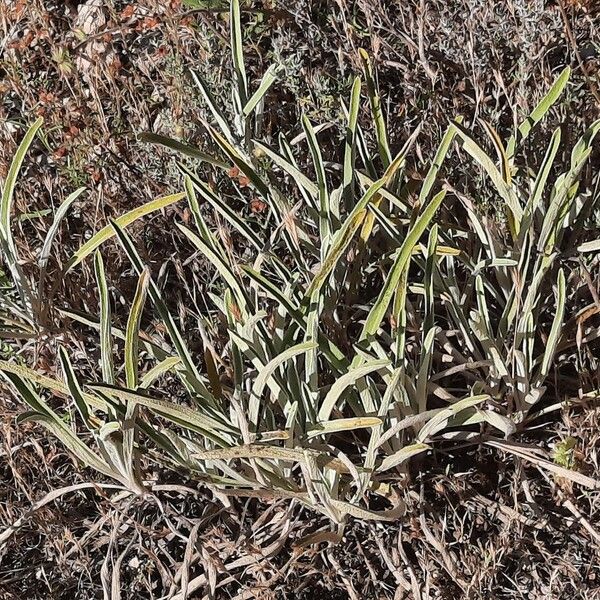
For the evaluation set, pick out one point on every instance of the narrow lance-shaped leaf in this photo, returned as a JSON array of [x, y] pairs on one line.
[[6, 238], [343, 236], [182, 415], [337, 425], [265, 83], [382, 303], [438, 160], [107, 232], [47, 247], [10, 369], [133, 329], [267, 372], [292, 170], [538, 113], [555, 331], [402, 455], [348, 379], [190, 373], [75, 389], [237, 52], [377, 113], [50, 420], [164, 366], [11, 178], [181, 148], [350, 143], [505, 190], [324, 206], [106, 341], [222, 267], [223, 209], [212, 105], [199, 220]]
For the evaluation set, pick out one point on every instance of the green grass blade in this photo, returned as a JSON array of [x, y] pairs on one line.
[[106, 341], [11, 179], [376, 111], [108, 232], [342, 238], [292, 170], [58, 217], [183, 415], [190, 375], [504, 190], [265, 83], [402, 455], [75, 388], [163, 367], [237, 52], [222, 267], [76, 446], [228, 214], [440, 420], [269, 369], [342, 383], [212, 106], [556, 329], [58, 387], [538, 113], [350, 142], [133, 329], [337, 425], [181, 148], [382, 303], [49, 239], [324, 204], [199, 220]]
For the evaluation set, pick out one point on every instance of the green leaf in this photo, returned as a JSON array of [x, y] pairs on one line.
[[556, 329], [267, 371], [324, 204], [75, 388], [190, 375], [376, 111], [292, 170], [505, 191], [350, 143], [187, 417], [76, 446], [107, 232], [132, 330], [538, 113], [265, 83], [58, 217], [237, 52], [11, 178], [164, 366], [402, 455], [228, 213], [212, 105], [337, 425], [6, 239], [18, 373], [222, 267], [106, 341], [342, 238], [440, 420], [377, 312], [180, 147], [343, 382]]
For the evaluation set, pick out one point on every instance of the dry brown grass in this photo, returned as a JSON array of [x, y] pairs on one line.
[[481, 525]]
